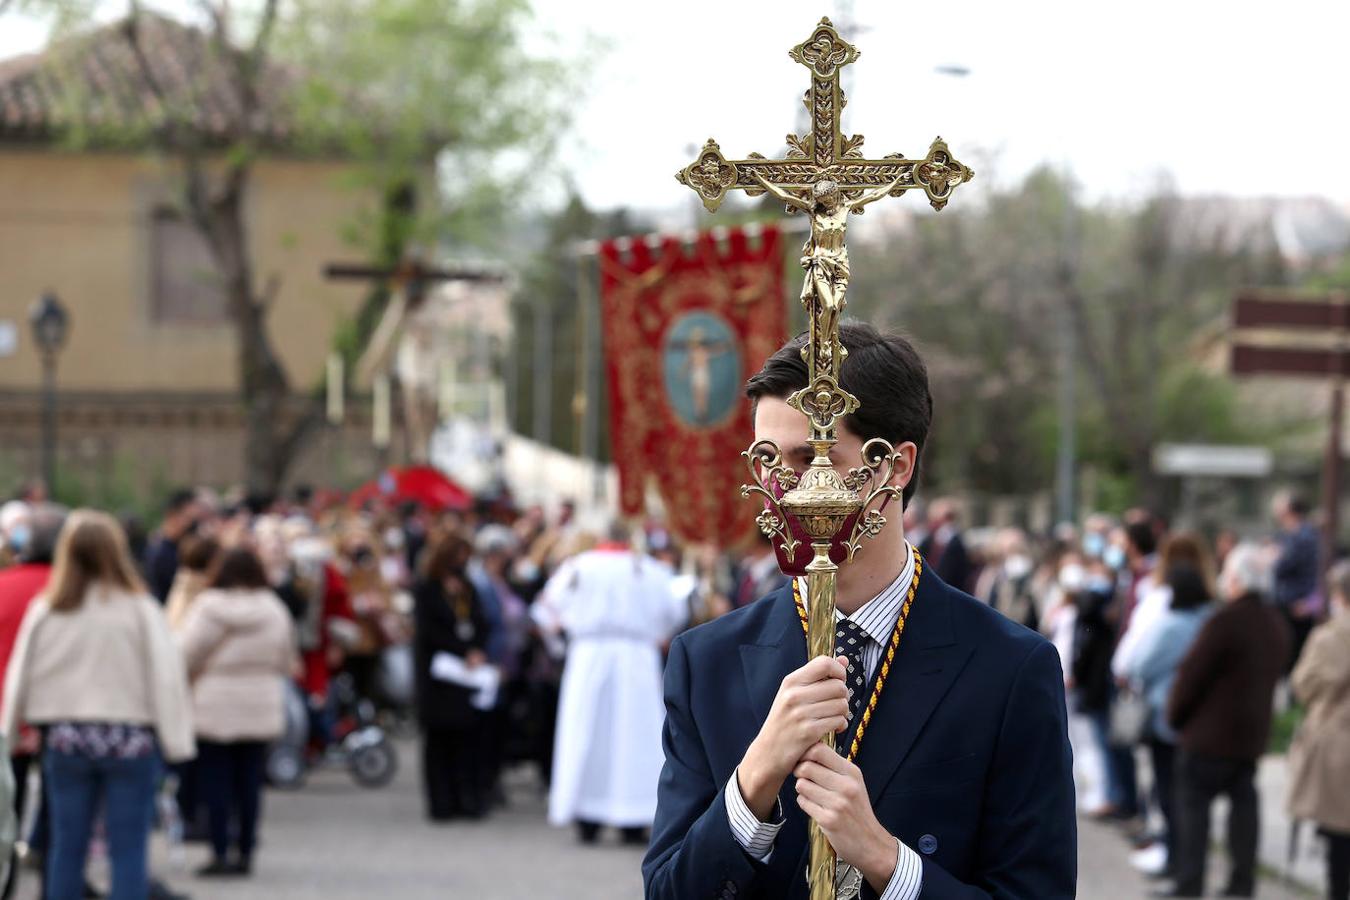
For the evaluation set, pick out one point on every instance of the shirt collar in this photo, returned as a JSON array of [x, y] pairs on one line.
[[878, 616]]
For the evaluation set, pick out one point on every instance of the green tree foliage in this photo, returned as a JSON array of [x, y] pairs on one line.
[[395, 83], [992, 289]]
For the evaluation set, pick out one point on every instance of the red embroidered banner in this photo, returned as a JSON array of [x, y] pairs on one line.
[[684, 326]]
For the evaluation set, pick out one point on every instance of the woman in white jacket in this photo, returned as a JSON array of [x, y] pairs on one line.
[[95, 667], [239, 648]]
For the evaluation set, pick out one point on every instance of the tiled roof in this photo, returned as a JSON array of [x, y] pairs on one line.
[[99, 72]]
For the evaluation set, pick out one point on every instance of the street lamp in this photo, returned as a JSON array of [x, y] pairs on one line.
[[51, 326]]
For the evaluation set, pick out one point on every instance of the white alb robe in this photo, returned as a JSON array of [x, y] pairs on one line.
[[616, 608]]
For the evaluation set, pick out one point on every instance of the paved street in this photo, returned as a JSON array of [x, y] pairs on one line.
[[1105, 873], [333, 840]]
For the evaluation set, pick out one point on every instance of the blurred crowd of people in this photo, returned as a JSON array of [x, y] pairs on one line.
[[167, 677], [280, 632], [198, 648], [1179, 650]]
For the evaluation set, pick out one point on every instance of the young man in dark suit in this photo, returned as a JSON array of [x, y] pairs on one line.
[[962, 784]]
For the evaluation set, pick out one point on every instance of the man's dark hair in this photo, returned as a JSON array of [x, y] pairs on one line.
[[1298, 505], [239, 569], [178, 500], [883, 371], [1141, 537]]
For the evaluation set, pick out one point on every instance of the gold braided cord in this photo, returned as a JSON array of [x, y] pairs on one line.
[[886, 662]]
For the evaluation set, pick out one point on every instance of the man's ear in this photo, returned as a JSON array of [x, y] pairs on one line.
[[905, 464]]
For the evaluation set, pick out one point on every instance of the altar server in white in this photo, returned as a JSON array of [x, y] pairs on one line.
[[616, 609]]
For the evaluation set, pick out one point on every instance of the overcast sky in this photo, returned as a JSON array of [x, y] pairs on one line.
[[1226, 96]]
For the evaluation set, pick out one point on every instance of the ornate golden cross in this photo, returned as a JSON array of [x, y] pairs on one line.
[[825, 176], [825, 154]]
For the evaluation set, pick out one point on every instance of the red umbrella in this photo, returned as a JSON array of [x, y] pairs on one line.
[[419, 484]]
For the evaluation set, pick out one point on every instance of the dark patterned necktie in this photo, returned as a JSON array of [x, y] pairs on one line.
[[849, 641]]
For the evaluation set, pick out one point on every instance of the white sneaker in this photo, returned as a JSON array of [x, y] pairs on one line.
[[1151, 860]]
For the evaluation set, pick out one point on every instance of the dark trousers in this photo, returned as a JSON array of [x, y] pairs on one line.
[[544, 716], [1199, 780], [365, 672], [1125, 780], [1300, 628], [1163, 757], [1338, 865], [230, 779], [189, 795], [450, 774], [20, 766], [40, 836], [492, 752], [124, 789]]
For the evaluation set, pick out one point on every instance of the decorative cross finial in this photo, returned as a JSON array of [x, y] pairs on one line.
[[825, 153]]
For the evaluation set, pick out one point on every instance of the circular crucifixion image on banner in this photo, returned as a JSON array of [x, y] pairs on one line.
[[701, 362]]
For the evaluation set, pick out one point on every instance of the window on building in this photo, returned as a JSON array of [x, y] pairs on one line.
[[185, 285]]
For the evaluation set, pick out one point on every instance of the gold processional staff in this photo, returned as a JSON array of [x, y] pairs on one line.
[[826, 176]]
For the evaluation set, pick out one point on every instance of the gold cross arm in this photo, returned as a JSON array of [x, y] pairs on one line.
[[938, 174], [825, 154]]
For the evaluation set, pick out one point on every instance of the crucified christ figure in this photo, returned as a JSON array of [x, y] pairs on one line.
[[824, 256]]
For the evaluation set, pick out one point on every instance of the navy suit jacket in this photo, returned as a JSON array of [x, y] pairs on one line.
[[966, 758]]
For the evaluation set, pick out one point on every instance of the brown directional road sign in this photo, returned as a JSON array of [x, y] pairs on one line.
[[1301, 335]]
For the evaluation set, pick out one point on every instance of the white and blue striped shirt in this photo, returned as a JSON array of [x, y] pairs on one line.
[[877, 617]]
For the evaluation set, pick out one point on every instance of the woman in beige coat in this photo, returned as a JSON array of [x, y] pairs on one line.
[[95, 665], [1319, 760], [239, 649]]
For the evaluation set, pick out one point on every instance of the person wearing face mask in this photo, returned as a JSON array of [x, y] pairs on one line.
[[1010, 589], [1088, 593], [14, 531], [1136, 579], [1097, 536], [1319, 760], [957, 783], [24, 580], [1114, 554]]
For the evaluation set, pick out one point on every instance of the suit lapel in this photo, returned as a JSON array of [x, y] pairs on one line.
[[776, 651], [927, 663]]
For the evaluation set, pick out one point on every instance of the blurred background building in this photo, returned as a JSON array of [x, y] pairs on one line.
[[149, 384]]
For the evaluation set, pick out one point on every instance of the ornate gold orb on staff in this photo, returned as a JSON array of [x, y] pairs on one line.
[[826, 176]]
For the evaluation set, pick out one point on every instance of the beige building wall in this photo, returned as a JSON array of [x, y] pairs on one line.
[[79, 224]]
